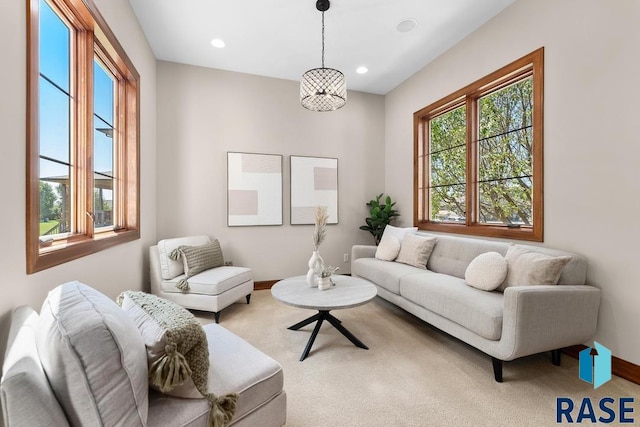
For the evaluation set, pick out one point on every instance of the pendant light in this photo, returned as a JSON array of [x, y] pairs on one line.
[[323, 89]]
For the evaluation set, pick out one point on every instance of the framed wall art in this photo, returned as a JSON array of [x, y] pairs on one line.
[[254, 189], [314, 182]]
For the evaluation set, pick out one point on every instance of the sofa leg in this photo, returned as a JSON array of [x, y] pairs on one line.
[[249, 299], [556, 356], [217, 317], [497, 369]]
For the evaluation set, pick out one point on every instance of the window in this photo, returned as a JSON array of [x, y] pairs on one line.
[[82, 135], [478, 156]]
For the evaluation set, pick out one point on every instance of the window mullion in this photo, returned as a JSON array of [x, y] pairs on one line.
[[120, 157], [84, 134], [471, 216]]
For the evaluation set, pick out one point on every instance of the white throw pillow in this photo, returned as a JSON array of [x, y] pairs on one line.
[[486, 272], [415, 250], [526, 268], [94, 358], [388, 248], [397, 232]]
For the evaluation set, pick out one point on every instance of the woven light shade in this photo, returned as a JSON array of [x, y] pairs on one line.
[[323, 89]]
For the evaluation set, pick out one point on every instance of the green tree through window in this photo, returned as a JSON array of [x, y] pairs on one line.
[[479, 156], [505, 156]]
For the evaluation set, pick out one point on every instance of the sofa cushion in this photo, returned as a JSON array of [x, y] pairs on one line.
[[487, 271], [176, 345], [235, 366], [451, 298], [527, 268], [388, 248], [27, 399], [385, 274], [94, 357], [211, 282], [171, 268], [415, 250], [452, 254]]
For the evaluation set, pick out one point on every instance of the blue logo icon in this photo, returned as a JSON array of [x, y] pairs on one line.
[[595, 365]]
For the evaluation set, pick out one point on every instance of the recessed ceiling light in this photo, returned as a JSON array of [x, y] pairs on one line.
[[407, 25], [362, 69], [218, 43]]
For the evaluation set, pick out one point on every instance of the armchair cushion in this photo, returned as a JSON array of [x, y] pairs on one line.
[[211, 282]]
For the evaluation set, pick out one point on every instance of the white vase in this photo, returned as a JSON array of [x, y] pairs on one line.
[[315, 264], [324, 283]]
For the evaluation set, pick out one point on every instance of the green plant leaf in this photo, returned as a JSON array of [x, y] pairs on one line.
[[381, 214]]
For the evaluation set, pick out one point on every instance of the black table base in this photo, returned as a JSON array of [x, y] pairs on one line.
[[321, 317]]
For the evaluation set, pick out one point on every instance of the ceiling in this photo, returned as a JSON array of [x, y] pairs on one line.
[[282, 38]]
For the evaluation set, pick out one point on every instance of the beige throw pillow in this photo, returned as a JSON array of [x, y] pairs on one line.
[[197, 259], [527, 268], [486, 272], [415, 250], [388, 248]]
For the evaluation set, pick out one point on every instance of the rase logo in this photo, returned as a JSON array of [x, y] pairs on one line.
[[595, 368], [595, 365]]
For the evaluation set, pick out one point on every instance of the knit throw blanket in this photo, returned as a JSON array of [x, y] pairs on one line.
[[186, 353]]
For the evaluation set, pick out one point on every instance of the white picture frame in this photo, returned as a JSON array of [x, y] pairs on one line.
[[314, 182], [254, 189]]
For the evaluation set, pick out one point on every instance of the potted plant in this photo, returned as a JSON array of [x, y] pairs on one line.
[[381, 215], [324, 277]]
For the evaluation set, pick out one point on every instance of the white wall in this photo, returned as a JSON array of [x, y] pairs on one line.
[[204, 113], [111, 271], [591, 149]]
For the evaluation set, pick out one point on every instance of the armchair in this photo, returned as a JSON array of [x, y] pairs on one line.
[[211, 290]]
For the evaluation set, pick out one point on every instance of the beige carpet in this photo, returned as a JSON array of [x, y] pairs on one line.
[[413, 375]]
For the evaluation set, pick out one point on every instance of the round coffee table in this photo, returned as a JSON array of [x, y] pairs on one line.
[[347, 292]]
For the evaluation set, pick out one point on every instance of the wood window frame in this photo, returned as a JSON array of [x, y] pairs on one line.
[[531, 64], [91, 36]]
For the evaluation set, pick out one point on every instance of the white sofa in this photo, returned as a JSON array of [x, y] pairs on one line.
[[521, 321], [212, 290], [88, 378]]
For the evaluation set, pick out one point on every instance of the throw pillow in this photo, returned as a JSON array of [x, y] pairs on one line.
[[531, 268], [94, 358], [197, 259], [388, 248], [415, 250], [169, 268], [177, 351], [397, 232], [486, 271]]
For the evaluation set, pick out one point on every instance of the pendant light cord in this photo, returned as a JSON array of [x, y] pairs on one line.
[[323, 39]]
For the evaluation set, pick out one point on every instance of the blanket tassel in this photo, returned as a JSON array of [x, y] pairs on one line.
[[222, 409]]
